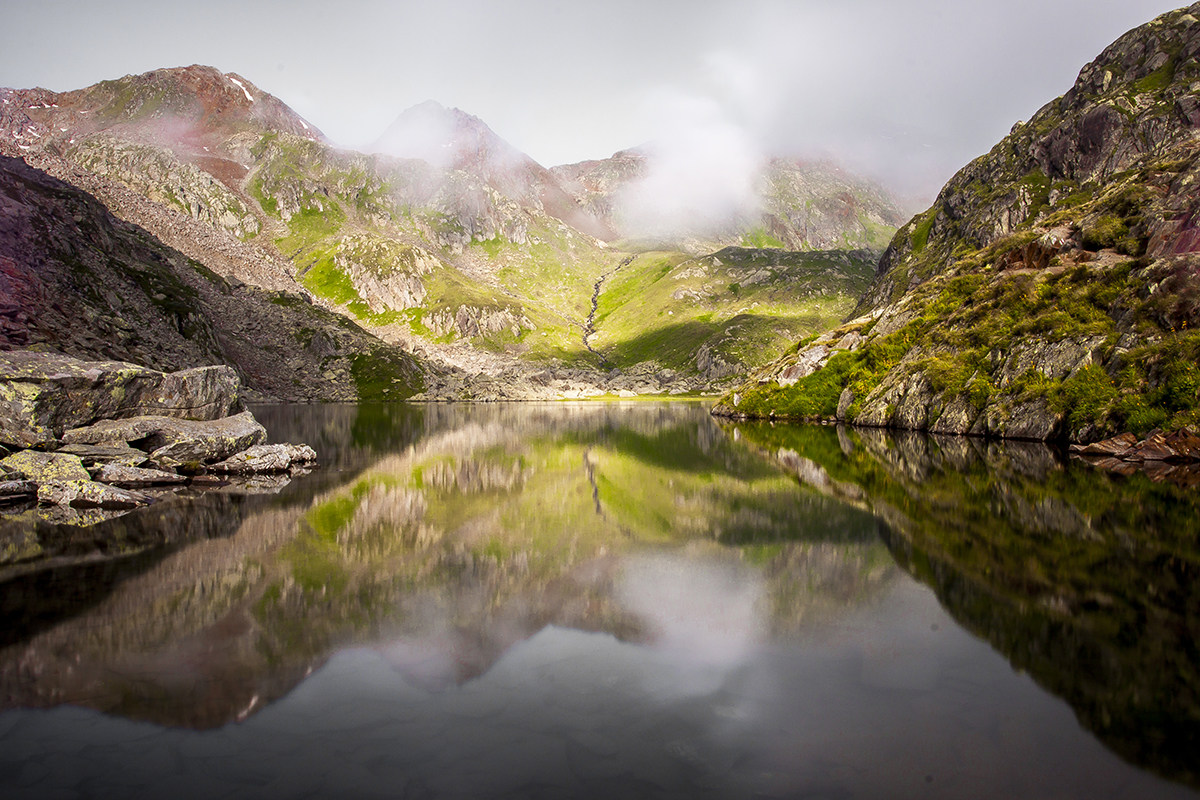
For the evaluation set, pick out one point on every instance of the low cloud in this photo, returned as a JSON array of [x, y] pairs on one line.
[[702, 168]]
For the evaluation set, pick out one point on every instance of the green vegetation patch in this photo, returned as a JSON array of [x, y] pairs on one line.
[[920, 233], [745, 305], [759, 237], [382, 376]]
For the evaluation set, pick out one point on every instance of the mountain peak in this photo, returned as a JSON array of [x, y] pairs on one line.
[[190, 107], [448, 138]]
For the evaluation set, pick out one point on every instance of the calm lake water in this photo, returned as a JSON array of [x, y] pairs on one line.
[[617, 601]]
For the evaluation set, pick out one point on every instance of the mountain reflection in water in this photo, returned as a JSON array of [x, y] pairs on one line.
[[615, 600]]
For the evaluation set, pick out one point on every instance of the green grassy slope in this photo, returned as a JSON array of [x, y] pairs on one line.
[[745, 306]]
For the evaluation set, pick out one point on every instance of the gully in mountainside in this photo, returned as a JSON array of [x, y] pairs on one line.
[[589, 329]]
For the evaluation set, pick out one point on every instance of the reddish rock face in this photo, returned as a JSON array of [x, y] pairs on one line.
[[192, 111]]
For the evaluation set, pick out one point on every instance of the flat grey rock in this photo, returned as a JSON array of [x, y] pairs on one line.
[[43, 394], [266, 458], [97, 454], [42, 467], [89, 494], [135, 477], [172, 441]]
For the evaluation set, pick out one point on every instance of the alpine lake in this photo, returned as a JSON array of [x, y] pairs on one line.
[[617, 600]]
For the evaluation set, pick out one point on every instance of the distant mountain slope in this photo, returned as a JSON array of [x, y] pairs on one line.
[[799, 204], [75, 279], [188, 108], [720, 313], [1053, 290]]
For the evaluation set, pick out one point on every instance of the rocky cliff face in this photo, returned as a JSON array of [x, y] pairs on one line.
[[1053, 290]]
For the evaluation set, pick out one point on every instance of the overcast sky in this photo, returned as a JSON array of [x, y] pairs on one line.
[[907, 92]]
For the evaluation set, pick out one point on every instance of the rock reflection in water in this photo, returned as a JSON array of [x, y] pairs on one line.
[[890, 699], [459, 533], [569, 601], [1088, 580]]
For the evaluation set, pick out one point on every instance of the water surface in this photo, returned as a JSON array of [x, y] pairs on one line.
[[616, 600]]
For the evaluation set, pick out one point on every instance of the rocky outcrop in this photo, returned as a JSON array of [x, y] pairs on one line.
[[386, 274], [43, 394], [105, 464], [468, 322], [1053, 290], [1173, 456], [164, 178], [266, 458], [174, 442]]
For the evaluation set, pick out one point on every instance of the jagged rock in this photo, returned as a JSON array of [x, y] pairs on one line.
[[135, 477], [1182, 445], [43, 394], [957, 417], [913, 410], [42, 467], [95, 454], [851, 341], [1051, 359], [1114, 447], [176, 441], [1178, 446], [17, 491], [265, 458], [809, 362], [89, 494], [1033, 420], [1185, 443]]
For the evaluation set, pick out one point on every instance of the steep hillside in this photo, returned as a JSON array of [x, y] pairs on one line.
[[403, 246], [1052, 290], [799, 205], [75, 279]]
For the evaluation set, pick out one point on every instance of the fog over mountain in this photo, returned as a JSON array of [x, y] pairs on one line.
[[902, 91]]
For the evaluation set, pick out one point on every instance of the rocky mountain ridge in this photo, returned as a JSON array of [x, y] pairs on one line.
[[473, 257], [454, 141], [1051, 291], [801, 204]]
